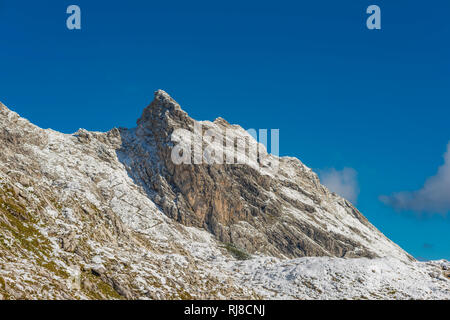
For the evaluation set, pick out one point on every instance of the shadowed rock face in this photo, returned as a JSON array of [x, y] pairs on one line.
[[284, 212]]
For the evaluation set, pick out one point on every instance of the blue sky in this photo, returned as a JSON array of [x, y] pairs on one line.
[[373, 101]]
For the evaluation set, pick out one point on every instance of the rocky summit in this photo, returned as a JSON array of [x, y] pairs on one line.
[[95, 215]]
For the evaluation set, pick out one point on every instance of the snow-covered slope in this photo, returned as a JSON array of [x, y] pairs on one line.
[[281, 209], [107, 215]]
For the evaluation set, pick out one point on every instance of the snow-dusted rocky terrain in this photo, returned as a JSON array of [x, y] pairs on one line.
[[109, 216]]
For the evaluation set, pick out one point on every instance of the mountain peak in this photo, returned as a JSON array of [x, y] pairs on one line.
[[162, 107], [161, 94], [163, 100], [280, 211], [113, 212]]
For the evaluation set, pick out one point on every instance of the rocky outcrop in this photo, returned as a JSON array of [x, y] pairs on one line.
[[238, 203]]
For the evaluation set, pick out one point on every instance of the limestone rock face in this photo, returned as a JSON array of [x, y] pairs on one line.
[[95, 215], [284, 212]]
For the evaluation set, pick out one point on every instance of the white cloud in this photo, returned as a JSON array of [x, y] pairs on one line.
[[434, 197], [344, 182]]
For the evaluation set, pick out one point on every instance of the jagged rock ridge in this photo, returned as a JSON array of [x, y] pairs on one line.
[[286, 213]]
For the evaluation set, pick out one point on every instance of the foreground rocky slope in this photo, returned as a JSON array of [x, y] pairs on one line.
[[109, 215]]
